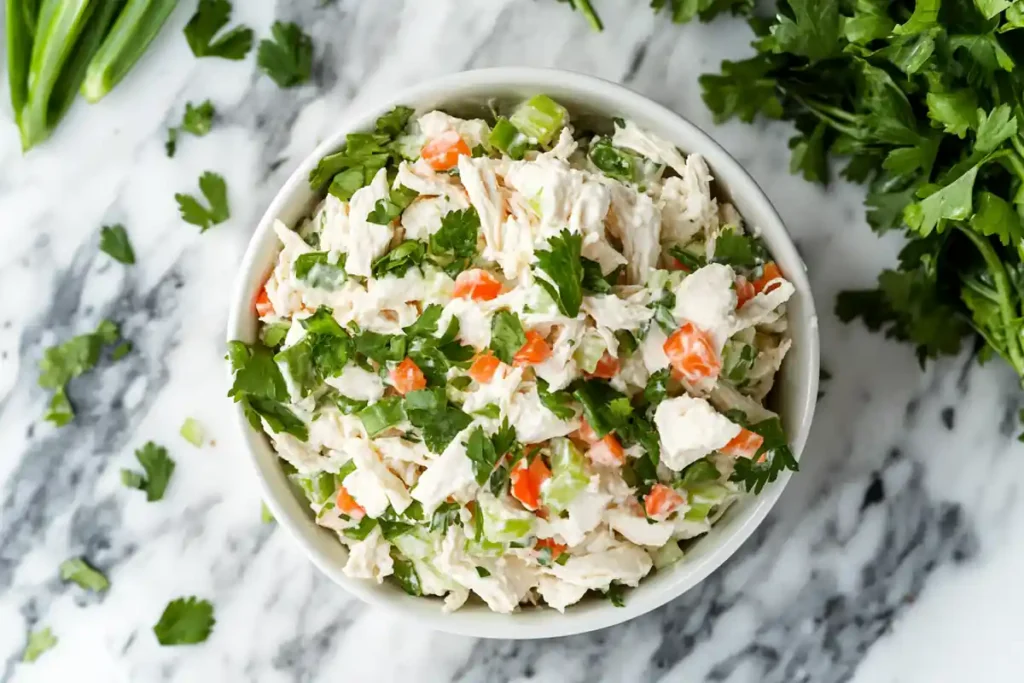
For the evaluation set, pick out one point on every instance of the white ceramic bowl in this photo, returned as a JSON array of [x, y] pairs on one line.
[[794, 396]]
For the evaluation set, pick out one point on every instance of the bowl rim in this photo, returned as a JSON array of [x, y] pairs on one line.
[[482, 623]]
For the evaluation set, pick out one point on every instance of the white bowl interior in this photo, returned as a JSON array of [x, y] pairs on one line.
[[794, 396]]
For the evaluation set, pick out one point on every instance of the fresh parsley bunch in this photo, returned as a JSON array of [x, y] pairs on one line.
[[925, 103]]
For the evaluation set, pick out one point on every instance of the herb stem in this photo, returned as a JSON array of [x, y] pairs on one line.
[[1002, 283], [828, 113]]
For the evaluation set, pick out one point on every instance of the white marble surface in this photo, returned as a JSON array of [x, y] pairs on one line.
[[895, 555]]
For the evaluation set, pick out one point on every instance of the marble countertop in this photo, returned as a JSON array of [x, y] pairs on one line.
[[895, 555]]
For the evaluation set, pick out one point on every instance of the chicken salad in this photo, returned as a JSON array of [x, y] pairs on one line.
[[517, 359]]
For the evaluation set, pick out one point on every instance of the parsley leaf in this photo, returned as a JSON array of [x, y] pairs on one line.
[[210, 17], [196, 120], [185, 621], [288, 58], [215, 190], [59, 412], [387, 210], [439, 422], [76, 569], [444, 516], [735, 248], [456, 239], [595, 281], [562, 264], [481, 453], [507, 335], [753, 473], [558, 402], [38, 642], [114, 242], [408, 254], [260, 388], [405, 575], [158, 469], [316, 270], [393, 123]]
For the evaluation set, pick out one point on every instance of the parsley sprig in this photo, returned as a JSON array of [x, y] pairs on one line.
[[215, 190], [925, 104], [201, 31], [288, 57]]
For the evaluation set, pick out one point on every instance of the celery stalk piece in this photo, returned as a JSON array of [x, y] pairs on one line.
[[540, 118], [21, 20], [134, 30], [71, 77], [59, 25]]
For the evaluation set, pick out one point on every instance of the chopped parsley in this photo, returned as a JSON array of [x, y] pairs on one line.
[[387, 210], [406, 576], [185, 621], [63, 362], [364, 154], [197, 121], [562, 264], [201, 31], [115, 243], [772, 458], [260, 388], [455, 241], [158, 468], [288, 57], [215, 190], [507, 335]]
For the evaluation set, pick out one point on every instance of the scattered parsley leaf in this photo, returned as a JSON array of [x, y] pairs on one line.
[[185, 621], [121, 350], [114, 242], [158, 469], [38, 642], [288, 58], [197, 120], [561, 263], [76, 569], [59, 412], [210, 17], [215, 190]]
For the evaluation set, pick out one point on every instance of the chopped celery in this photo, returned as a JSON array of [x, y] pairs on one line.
[[667, 555], [588, 354], [698, 512], [503, 523], [192, 432], [383, 414], [569, 475], [737, 360], [508, 139], [134, 30], [540, 118], [319, 488], [59, 24]]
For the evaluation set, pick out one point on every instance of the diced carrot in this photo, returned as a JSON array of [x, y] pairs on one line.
[[443, 152], [263, 305], [744, 291], [527, 480], [347, 504], [661, 501], [745, 444], [676, 264], [692, 354], [607, 367], [476, 284], [768, 280], [484, 367], [587, 432], [607, 451], [556, 548], [534, 351], [407, 376]]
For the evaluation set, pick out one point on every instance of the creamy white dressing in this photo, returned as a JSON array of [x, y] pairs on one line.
[[521, 205]]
